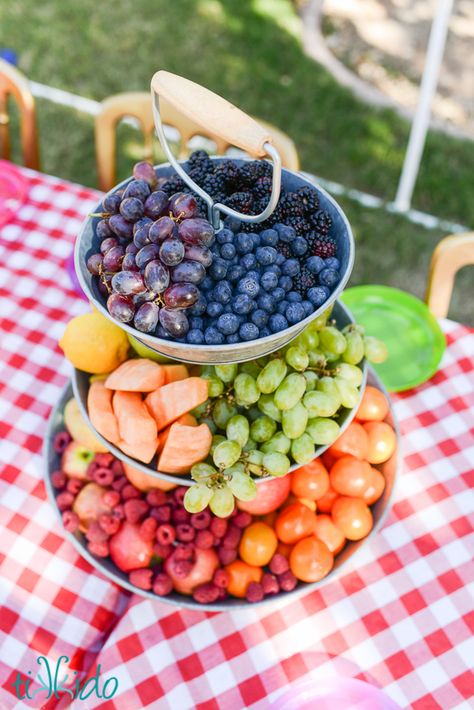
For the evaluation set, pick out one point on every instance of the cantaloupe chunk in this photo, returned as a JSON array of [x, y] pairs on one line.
[[139, 375], [169, 402], [135, 423], [146, 483], [186, 419], [174, 373], [184, 447], [142, 451], [101, 413]]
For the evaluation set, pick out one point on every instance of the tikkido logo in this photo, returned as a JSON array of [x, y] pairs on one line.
[[54, 687]]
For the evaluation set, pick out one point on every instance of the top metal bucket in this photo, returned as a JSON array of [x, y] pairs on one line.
[[241, 130]]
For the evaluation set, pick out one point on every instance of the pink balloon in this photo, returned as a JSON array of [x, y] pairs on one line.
[[333, 694]]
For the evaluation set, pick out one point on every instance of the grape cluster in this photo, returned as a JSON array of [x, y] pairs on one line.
[[272, 412], [154, 251]]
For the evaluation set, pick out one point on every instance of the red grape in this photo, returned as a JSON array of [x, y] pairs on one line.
[[142, 236], [111, 203], [120, 226], [128, 283], [172, 252], [146, 254], [129, 263], [196, 230], [94, 264], [161, 229], [131, 208], [121, 307], [183, 205], [146, 318], [108, 244], [113, 258], [180, 295], [138, 189], [174, 322], [189, 271], [157, 276], [102, 229], [145, 171], [155, 204], [198, 253]]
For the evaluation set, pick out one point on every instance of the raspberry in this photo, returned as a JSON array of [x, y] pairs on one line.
[[111, 498], [270, 584], [185, 532], [156, 497], [232, 537], [218, 527], [179, 493], [109, 523], [221, 578], [70, 521], [103, 476], [118, 512], [58, 479], [95, 533], [204, 539], [180, 515], [148, 529], [64, 500], [104, 459], [162, 551], [242, 519], [99, 549], [162, 513], [222, 594], [278, 563], [206, 593], [74, 485], [129, 492], [287, 581], [227, 555], [61, 440], [120, 483], [182, 568], [254, 592], [184, 552], [201, 520], [135, 510], [166, 534], [162, 584], [117, 468], [141, 578]]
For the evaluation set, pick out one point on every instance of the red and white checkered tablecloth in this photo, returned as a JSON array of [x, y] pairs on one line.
[[402, 615]]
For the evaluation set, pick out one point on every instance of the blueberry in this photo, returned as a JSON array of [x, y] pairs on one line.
[[277, 322], [223, 293], [266, 303], [318, 295], [196, 322], [244, 243], [218, 269], [255, 240], [242, 304], [269, 237], [195, 336], [294, 313], [299, 246], [248, 261], [282, 306], [294, 297], [329, 277], [264, 332], [273, 269], [235, 273], [253, 274], [214, 309], [248, 331], [332, 263], [212, 336], [266, 255], [278, 294], [232, 339], [308, 308], [225, 236], [228, 308], [227, 251], [259, 317], [291, 267], [285, 282], [314, 264], [228, 323], [285, 232], [280, 259], [206, 284], [249, 286], [199, 307], [233, 224], [269, 281]]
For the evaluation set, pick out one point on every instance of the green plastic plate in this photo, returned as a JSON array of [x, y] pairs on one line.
[[412, 334]]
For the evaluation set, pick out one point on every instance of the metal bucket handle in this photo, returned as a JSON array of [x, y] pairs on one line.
[[223, 119]]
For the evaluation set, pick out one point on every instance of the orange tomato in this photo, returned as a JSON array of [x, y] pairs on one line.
[[327, 532], [353, 441], [376, 487], [373, 406], [326, 502], [284, 549], [258, 544], [310, 481], [269, 518], [350, 477], [382, 441], [240, 576], [352, 516], [294, 522], [311, 560]]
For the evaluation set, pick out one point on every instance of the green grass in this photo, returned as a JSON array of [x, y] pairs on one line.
[[250, 53]]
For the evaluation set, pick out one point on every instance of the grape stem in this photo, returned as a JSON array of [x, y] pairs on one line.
[[103, 215]]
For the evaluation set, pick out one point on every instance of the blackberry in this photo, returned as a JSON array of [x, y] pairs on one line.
[[303, 281], [309, 199], [292, 205], [321, 221], [229, 171], [174, 184], [262, 188], [248, 173], [198, 174], [284, 248], [299, 224], [241, 201], [214, 185], [198, 158], [324, 246]]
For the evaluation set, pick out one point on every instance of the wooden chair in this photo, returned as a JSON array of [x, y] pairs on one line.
[[14, 84], [451, 254], [138, 105]]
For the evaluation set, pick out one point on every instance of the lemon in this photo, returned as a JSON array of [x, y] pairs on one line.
[[93, 344]]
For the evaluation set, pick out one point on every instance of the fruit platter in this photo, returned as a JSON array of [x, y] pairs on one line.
[[223, 440]]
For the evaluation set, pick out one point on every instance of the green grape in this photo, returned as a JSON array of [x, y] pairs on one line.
[[238, 429], [317, 358], [354, 351], [279, 442], [246, 389], [201, 471], [222, 502], [351, 373], [290, 391], [216, 440], [302, 449], [253, 412], [327, 385], [293, 421], [250, 368], [251, 444], [331, 357], [266, 404], [323, 431], [297, 358], [222, 412], [263, 429], [276, 464], [215, 386], [308, 339], [321, 320], [332, 339], [227, 373], [375, 350], [196, 498], [226, 454], [201, 409], [349, 394], [254, 462], [311, 380], [271, 376], [242, 486], [207, 370], [210, 423], [321, 404]]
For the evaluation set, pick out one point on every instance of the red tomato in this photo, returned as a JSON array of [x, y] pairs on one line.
[[311, 560], [353, 517], [382, 441], [258, 544], [326, 502], [373, 406], [328, 533], [354, 441], [350, 477], [310, 481], [240, 576], [294, 522], [328, 459], [270, 495], [376, 487]]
